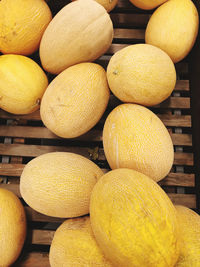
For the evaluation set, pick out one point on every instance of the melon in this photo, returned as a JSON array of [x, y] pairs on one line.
[[173, 27], [80, 32], [107, 4], [12, 227], [74, 245], [141, 74], [59, 184], [75, 100], [147, 4], [134, 221]]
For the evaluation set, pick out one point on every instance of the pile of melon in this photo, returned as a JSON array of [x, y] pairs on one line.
[[117, 218]]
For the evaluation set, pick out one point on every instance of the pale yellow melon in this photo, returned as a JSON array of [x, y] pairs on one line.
[[74, 245], [80, 32], [22, 84], [142, 74], [147, 4], [134, 137], [75, 100], [134, 221], [107, 4], [12, 227], [59, 184], [173, 27]]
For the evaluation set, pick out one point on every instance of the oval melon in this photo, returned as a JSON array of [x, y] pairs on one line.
[[107, 4], [134, 221], [12, 227], [173, 27], [59, 184], [80, 32], [147, 4], [142, 74]]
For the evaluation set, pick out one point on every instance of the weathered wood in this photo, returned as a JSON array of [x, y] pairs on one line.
[[124, 20], [176, 102], [176, 120], [133, 34], [34, 259]]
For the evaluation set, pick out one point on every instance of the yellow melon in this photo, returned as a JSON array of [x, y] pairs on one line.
[[142, 74], [12, 227], [173, 27], [74, 245], [147, 4], [80, 32], [75, 100], [59, 184], [22, 23], [134, 137], [107, 4], [134, 221], [22, 84]]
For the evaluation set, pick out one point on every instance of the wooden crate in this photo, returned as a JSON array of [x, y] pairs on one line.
[[25, 137]]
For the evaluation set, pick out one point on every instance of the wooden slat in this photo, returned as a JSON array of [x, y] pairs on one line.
[[42, 237], [182, 139], [133, 34], [176, 102], [188, 200], [35, 216], [176, 120], [34, 259], [124, 20]]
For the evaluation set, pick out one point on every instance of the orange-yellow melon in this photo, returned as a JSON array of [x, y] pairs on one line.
[[107, 4], [12, 227], [75, 100], [173, 27], [135, 138], [80, 32], [141, 74], [22, 23], [134, 221], [22, 84], [147, 4]]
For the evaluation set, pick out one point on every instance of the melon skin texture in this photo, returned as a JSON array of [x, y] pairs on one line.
[[147, 4], [74, 245], [173, 27], [75, 100], [22, 84], [80, 32], [12, 227], [22, 24], [141, 74], [135, 138], [134, 221], [107, 4], [59, 184]]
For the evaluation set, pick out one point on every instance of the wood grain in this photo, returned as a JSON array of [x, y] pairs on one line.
[[34, 259]]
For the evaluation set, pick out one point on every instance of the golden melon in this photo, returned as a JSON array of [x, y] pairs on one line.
[[12, 227], [22, 23], [147, 4], [173, 27], [134, 221], [22, 84], [74, 245], [75, 100], [59, 184], [107, 4], [141, 74], [135, 138], [80, 32]]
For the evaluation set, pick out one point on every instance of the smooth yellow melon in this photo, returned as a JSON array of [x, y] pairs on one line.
[[59, 184], [22, 24], [22, 84], [80, 32], [12, 227], [141, 74], [135, 138], [107, 4], [189, 224], [75, 100], [134, 221], [147, 4], [173, 27], [74, 245]]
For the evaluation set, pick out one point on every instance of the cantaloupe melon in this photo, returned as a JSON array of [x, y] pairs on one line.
[[80, 32], [141, 74], [173, 27], [107, 4], [74, 245], [134, 137], [134, 221], [12, 227], [75, 100], [147, 4], [59, 184]]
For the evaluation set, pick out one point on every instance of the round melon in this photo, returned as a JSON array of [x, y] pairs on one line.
[[173, 27], [141, 74], [107, 4], [59, 184], [22, 84], [75, 100], [74, 245], [147, 4], [80, 32], [22, 24], [134, 221], [12, 227], [135, 138]]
